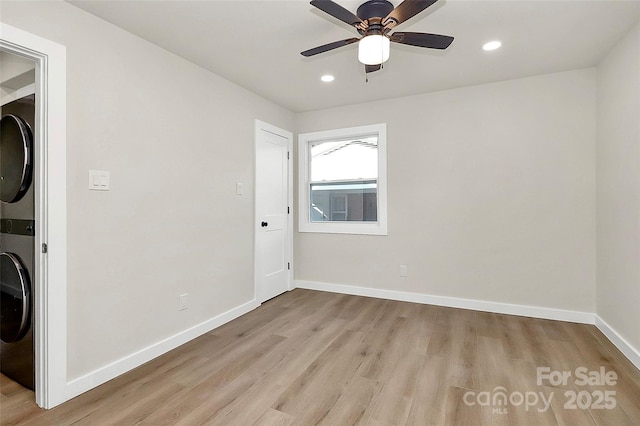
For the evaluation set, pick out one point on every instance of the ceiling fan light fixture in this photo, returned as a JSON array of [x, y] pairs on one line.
[[374, 49]]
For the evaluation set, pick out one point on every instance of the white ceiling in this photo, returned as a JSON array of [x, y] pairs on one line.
[[257, 44]]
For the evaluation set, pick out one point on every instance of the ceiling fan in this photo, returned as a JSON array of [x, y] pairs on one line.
[[374, 21]]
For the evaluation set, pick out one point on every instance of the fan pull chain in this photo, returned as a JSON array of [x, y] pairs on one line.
[[366, 74]]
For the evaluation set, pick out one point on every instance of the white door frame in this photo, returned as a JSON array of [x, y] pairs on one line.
[[50, 282], [259, 126]]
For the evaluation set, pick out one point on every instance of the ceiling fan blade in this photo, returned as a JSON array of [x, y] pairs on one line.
[[337, 11], [329, 46], [372, 68], [432, 41], [406, 10]]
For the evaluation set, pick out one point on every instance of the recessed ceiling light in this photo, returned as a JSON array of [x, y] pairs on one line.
[[492, 45], [327, 78]]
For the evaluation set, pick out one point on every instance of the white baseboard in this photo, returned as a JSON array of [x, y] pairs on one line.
[[454, 302], [480, 305], [619, 342], [97, 377], [121, 366]]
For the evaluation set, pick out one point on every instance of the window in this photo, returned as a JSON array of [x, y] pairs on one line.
[[342, 181]]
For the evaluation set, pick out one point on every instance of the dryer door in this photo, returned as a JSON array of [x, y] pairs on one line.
[[14, 298], [15, 158]]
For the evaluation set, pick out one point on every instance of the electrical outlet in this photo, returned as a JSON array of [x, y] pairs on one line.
[[404, 271], [183, 302]]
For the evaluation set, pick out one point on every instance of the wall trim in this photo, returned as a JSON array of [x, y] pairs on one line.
[[97, 377], [619, 342], [481, 305], [49, 283], [453, 302]]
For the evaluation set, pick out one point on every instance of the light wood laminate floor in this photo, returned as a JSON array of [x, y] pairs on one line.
[[309, 357]]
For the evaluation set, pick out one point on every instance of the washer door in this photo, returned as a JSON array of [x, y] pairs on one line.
[[15, 158], [14, 298]]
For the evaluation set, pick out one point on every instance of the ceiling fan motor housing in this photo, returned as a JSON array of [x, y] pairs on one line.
[[374, 9], [374, 21]]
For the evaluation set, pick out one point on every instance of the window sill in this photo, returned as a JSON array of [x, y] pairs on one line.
[[373, 228]]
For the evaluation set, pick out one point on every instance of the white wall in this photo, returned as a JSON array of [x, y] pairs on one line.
[[618, 189], [491, 195], [175, 138]]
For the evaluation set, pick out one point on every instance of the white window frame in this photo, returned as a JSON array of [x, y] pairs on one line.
[[365, 228]]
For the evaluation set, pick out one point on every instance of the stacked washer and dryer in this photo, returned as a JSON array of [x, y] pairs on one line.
[[17, 241]]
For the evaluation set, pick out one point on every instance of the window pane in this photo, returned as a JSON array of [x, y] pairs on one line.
[[345, 201], [351, 159], [343, 180]]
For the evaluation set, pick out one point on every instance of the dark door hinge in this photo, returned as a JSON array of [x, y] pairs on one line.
[[287, 155], [288, 265], [288, 210], [44, 247]]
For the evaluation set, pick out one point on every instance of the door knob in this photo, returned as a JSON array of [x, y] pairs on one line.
[[263, 224]]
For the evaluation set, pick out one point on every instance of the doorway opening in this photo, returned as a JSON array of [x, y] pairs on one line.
[[48, 179], [17, 217]]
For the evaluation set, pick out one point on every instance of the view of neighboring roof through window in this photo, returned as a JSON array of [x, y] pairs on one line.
[[343, 180], [345, 160], [343, 184]]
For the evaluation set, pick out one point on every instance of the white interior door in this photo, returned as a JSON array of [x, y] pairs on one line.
[[272, 207]]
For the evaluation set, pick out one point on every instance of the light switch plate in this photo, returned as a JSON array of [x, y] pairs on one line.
[[99, 180]]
